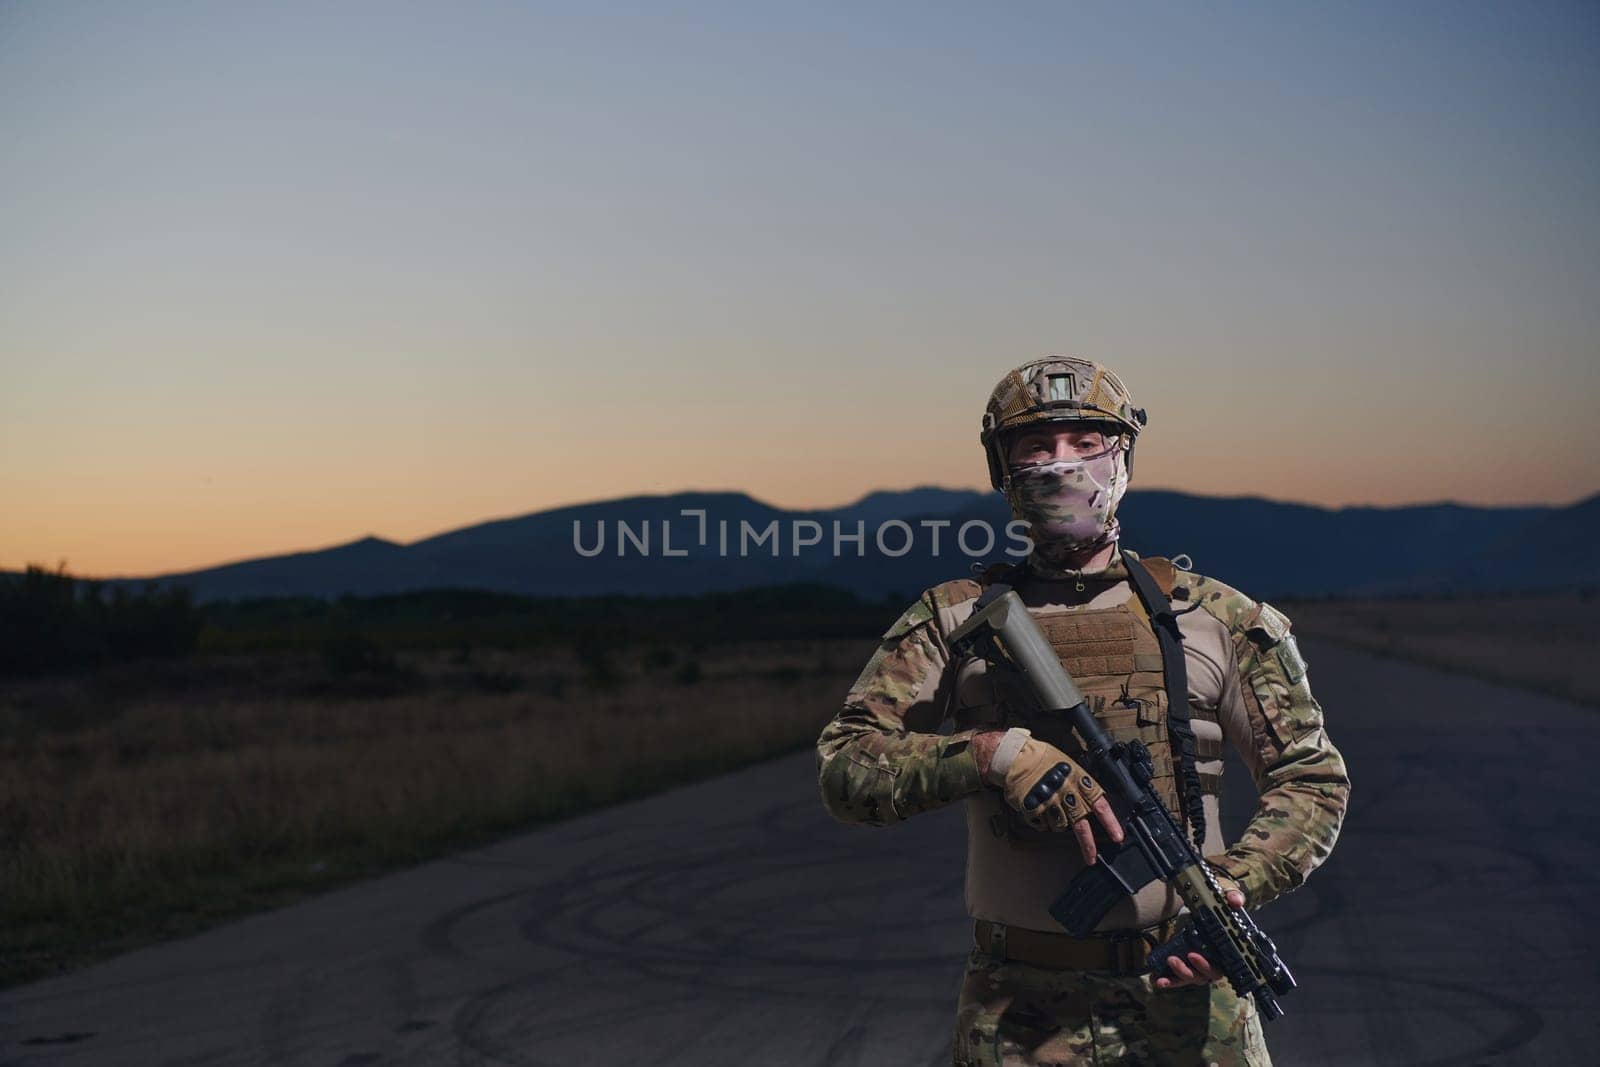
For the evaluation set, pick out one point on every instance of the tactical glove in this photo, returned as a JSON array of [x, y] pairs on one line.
[[1050, 790]]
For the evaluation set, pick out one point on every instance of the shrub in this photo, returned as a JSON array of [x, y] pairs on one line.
[[51, 622]]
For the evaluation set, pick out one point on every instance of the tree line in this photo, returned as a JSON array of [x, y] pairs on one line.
[[52, 622]]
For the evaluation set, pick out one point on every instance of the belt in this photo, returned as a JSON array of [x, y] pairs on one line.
[[1122, 952]]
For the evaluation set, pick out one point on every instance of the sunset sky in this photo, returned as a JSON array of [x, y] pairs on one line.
[[275, 276]]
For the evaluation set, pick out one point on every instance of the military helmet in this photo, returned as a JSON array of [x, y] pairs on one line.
[[1055, 389]]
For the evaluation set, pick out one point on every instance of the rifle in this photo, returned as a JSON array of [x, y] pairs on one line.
[[1153, 846]]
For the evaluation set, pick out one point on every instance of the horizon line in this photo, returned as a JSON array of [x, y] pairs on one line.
[[370, 536]]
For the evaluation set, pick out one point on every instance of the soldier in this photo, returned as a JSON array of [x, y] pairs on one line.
[[1059, 434]]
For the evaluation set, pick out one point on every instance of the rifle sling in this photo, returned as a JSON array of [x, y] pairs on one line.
[[1176, 675]]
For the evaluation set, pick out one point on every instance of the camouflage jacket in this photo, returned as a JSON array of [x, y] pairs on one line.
[[881, 759]]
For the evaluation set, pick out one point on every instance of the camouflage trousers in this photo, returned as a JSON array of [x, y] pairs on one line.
[[1011, 1015]]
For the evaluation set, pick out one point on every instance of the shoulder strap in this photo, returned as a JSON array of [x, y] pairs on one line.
[[1175, 672], [1164, 571]]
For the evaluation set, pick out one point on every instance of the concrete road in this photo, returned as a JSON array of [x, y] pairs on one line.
[[733, 922]]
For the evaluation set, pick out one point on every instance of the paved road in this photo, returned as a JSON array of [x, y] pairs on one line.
[[733, 923]]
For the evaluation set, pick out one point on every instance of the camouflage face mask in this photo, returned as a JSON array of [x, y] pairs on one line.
[[1070, 503]]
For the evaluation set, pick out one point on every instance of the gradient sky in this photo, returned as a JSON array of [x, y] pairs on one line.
[[274, 276]]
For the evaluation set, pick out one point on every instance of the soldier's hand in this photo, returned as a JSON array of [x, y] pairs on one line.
[[1054, 793], [1196, 970]]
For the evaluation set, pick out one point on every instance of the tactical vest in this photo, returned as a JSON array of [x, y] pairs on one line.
[[1114, 656]]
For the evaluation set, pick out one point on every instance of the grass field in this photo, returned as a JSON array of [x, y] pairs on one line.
[[1543, 643], [153, 799], [147, 799]]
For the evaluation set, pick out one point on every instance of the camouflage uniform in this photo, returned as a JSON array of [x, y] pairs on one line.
[[1010, 1013], [881, 760]]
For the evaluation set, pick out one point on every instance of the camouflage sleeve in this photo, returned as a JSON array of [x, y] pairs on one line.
[[881, 760], [1301, 777]]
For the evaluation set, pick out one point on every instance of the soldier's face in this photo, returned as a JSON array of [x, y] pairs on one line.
[[1047, 444], [1065, 481]]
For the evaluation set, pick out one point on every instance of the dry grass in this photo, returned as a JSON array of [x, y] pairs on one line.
[[1544, 643], [153, 800], [152, 803]]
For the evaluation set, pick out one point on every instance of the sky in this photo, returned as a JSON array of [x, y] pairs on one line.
[[279, 276]]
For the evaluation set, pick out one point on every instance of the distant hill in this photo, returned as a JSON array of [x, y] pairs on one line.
[[1295, 549], [1553, 550], [886, 504], [1264, 547]]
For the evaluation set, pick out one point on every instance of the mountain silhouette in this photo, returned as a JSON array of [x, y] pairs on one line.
[[648, 545], [1554, 550]]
